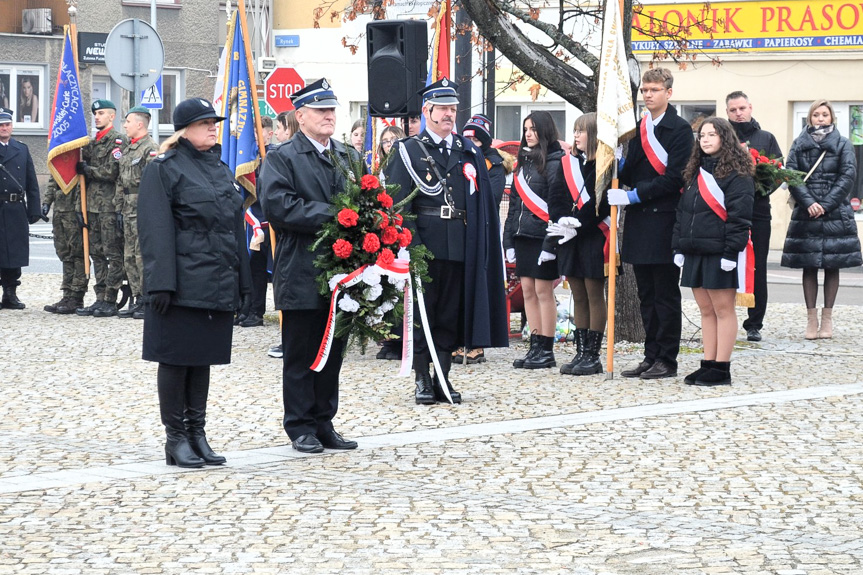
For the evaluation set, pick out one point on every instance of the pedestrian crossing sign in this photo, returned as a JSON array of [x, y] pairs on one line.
[[152, 97]]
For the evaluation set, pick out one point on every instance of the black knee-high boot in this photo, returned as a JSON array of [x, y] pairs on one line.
[[171, 382], [197, 388]]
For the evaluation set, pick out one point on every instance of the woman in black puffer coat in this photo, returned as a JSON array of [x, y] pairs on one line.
[[712, 228], [524, 231], [822, 233]]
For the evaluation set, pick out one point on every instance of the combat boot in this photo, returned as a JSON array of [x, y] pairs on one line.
[[580, 340], [73, 303], [53, 307], [127, 311], [590, 363], [171, 384], [197, 388], [544, 357], [138, 309], [10, 299], [445, 359], [424, 393], [108, 308], [88, 311], [532, 351]]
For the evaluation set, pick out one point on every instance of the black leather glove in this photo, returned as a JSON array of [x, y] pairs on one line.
[[45, 209], [82, 168], [119, 223], [80, 218], [34, 219], [245, 303], [160, 301]]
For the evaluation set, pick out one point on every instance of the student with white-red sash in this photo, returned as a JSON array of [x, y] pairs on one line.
[[710, 240], [539, 159], [583, 237], [653, 172]]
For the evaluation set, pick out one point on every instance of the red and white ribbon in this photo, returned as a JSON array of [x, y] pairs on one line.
[[575, 180], [470, 176], [746, 268], [711, 193], [605, 227], [258, 234], [534, 203], [429, 341], [656, 154], [352, 278]]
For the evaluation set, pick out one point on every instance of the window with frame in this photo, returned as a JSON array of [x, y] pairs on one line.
[[159, 3], [509, 120], [23, 90]]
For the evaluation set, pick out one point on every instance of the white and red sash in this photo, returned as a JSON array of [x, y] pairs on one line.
[[258, 235], [534, 203], [713, 195], [575, 180], [656, 154]]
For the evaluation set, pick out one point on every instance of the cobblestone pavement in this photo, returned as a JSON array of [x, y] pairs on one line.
[[534, 473]]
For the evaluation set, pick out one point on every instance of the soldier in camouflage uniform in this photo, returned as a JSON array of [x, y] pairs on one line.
[[100, 168], [67, 222], [138, 153]]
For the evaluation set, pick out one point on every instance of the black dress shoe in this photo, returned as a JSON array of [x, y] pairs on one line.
[[307, 443], [753, 334], [333, 440], [638, 369], [659, 370], [252, 320]]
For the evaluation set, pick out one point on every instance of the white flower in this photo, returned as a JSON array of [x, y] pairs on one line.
[[404, 254], [336, 279], [348, 304], [385, 307], [374, 292], [371, 276], [399, 284]]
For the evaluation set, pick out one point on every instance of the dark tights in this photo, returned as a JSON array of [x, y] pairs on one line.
[[810, 287], [589, 306]]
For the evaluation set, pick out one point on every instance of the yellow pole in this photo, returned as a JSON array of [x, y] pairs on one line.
[[73, 13]]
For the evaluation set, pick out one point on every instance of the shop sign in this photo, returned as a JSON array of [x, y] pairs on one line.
[[794, 25]]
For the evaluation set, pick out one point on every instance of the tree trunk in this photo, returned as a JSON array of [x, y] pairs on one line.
[[627, 309]]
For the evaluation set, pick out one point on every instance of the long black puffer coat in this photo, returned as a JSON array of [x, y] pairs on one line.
[[520, 221], [829, 241]]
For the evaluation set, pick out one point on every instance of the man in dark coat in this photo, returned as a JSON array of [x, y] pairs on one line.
[[19, 205], [457, 221], [298, 182], [739, 111], [654, 173]]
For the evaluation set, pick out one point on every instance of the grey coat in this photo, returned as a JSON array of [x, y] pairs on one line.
[[829, 241]]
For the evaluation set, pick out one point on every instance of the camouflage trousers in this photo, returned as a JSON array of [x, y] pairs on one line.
[[69, 245], [106, 251], [132, 262]]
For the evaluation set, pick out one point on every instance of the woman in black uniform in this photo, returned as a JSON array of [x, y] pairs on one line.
[[196, 271], [538, 166], [582, 258], [712, 228]]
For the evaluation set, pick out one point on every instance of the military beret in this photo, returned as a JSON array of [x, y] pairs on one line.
[[139, 110], [102, 105], [193, 110]]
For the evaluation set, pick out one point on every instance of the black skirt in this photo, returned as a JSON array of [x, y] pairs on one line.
[[582, 256], [527, 252], [704, 271], [188, 336]]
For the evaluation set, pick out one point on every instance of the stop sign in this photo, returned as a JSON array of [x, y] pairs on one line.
[[278, 87]]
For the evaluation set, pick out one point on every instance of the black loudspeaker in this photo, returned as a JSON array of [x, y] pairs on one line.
[[398, 55]]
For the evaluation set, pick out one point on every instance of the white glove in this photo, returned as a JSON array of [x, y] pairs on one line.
[[545, 256], [618, 197], [566, 233], [510, 255], [727, 265], [678, 260], [569, 222]]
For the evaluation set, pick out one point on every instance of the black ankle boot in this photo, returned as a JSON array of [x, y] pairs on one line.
[[424, 394], [544, 356], [719, 374], [445, 359], [197, 389], [532, 350], [580, 340], [171, 383], [590, 363], [706, 364], [10, 299]]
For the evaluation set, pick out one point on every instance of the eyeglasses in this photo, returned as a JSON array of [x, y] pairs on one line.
[[388, 142], [705, 136], [578, 132], [651, 90]]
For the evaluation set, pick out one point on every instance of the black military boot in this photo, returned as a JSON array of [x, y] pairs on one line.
[[74, 301], [138, 309], [590, 363], [445, 359], [532, 350], [88, 311], [108, 307], [127, 311], [544, 356], [424, 393], [10, 299], [53, 307], [197, 388], [580, 339], [171, 383]]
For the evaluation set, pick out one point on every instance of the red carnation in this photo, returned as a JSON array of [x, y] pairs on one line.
[[343, 249], [348, 218], [398, 219], [385, 220], [386, 257], [763, 159], [754, 153], [390, 235], [385, 199], [371, 243], [405, 238], [369, 182]]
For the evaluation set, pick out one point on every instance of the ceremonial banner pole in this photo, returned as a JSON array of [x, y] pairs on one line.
[[615, 123], [73, 32]]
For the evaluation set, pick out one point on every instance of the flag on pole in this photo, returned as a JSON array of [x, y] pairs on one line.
[[615, 117], [240, 149], [68, 124], [369, 143]]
